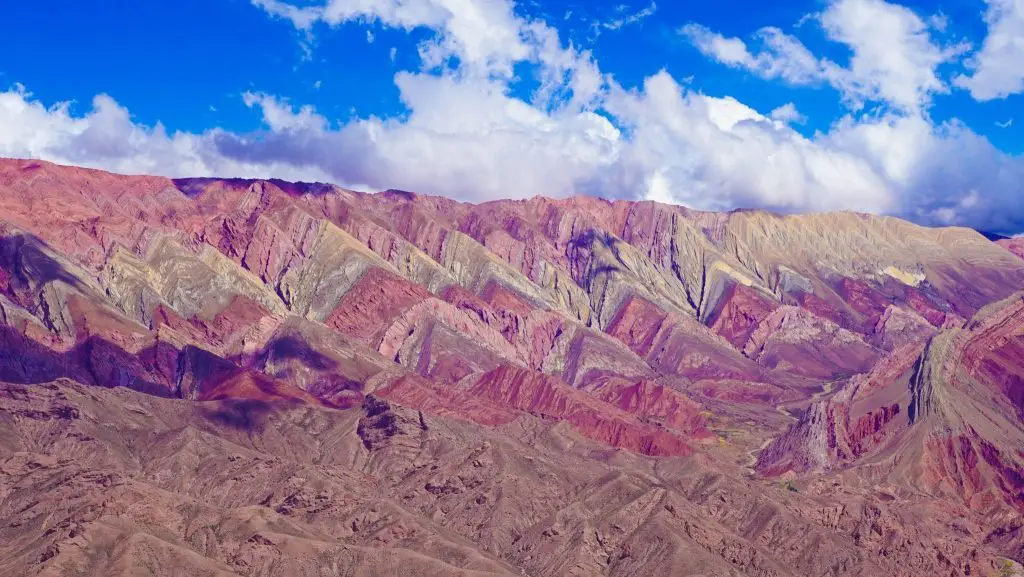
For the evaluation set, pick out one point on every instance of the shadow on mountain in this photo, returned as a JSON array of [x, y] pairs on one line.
[[289, 348], [199, 370], [165, 371], [241, 414], [95, 361], [193, 187], [24, 257]]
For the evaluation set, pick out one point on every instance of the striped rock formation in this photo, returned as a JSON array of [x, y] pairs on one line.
[[259, 377]]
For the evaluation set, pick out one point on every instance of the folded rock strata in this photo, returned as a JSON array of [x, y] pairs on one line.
[[255, 377]]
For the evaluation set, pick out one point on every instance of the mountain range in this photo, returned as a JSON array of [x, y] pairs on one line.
[[255, 377]]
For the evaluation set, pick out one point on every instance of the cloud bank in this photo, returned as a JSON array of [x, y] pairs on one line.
[[998, 69], [468, 135]]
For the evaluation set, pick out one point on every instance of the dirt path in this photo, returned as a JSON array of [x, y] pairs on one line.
[[826, 389], [752, 457]]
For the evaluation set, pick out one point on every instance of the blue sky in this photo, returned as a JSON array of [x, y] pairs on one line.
[[902, 108]]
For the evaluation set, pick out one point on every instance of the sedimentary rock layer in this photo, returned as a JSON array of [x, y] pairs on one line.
[[225, 376]]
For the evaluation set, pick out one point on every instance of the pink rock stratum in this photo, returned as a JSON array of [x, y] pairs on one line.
[[236, 377]]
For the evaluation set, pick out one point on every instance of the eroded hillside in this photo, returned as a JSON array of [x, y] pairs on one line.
[[225, 377]]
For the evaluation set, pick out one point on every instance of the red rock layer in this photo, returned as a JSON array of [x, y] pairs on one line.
[[639, 312], [1014, 245], [624, 333]]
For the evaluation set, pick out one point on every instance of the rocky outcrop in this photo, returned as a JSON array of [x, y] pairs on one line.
[[898, 327], [944, 417], [1014, 245], [665, 353], [547, 397], [114, 482], [798, 341]]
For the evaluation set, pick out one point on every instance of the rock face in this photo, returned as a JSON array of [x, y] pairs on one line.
[[944, 417], [1014, 245], [236, 377]]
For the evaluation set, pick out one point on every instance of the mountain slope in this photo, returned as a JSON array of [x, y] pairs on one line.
[[668, 365]]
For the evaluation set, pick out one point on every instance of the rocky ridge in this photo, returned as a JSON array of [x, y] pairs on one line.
[[632, 359]]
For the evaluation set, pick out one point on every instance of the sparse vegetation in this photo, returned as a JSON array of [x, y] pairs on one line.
[[1007, 568]]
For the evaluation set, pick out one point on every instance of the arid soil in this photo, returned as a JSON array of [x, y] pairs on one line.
[[238, 377]]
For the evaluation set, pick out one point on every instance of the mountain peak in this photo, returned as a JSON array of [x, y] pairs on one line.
[[551, 386]]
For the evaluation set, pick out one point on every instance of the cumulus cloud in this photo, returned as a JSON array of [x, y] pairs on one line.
[[302, 18], [717, 153], [787, 113], [781, 56], [487, 35], [944, 174], [997, 70], [106, 137], [466, 133], [469, 135], [674, 145], [893, 57]]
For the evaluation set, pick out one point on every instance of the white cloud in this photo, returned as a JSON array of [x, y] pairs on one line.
[[624, 19], [106, 137], [997, 69], [938, 22], [280, 117], [787, 114], [677, 145], [716, 153], [729, 51], [893, 58], [782, 56], [485, 34], [944, 174], [301, 18], [466, 134]]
